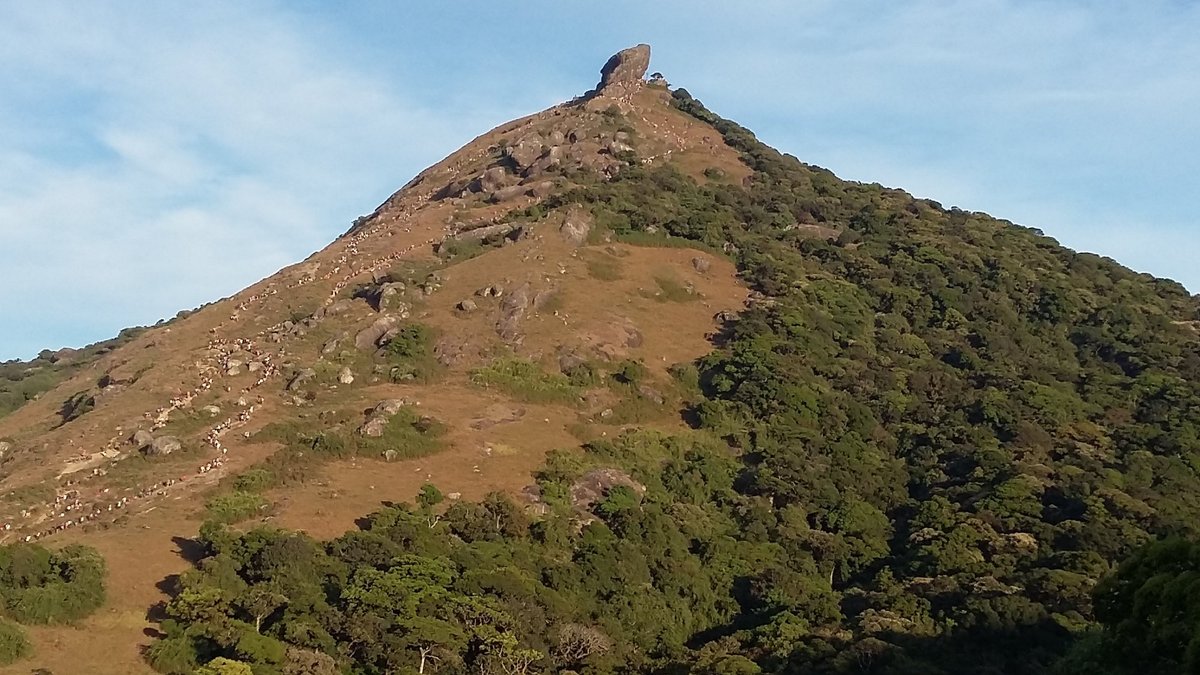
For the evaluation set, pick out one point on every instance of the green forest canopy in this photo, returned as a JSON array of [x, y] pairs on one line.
[[919, 455]]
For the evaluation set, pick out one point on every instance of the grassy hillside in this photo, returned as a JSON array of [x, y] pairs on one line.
[[917, 452]]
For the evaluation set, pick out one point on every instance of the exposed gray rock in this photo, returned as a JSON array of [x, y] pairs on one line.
[[594, 485], [493, 179], [332, 345], [5, 446], [577, 224], [570, 360], [486, 232], [557, 137], [624, 71], [345, 375], [701, 265], [388, 296], [163, 445], [616, 147], [371, 337], [525, 151], [497, 413], [512, 311], [552, 157], [490, 292], [211, 410], [450, 350], [300, 378], [504, 194], [467, 305], [542, 188], [650, 393], [631, 336], [379, 416], [340, 307], [542, 297], [142, 438]]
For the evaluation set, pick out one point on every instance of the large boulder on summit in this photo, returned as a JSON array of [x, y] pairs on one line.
[[624, 71]]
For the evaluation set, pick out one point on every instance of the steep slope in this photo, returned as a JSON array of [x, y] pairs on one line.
[[919, 435], [156, 423]]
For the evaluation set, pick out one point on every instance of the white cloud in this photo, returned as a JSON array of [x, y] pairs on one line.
[[205, 148], [156, 157]]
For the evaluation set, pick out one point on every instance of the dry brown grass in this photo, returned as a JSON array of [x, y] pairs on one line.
[[597, 309]]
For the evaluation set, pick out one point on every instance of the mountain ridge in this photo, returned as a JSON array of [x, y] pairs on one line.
[[622, 261]]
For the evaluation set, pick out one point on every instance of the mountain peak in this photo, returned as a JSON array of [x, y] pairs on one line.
[[624, 70]]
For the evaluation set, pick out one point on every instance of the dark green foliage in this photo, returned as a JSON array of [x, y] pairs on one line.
[[40, 586], [23, 381], [236, 506], [482, 587], [918, 455], [410, 354], [1150, 612], [13, 644]]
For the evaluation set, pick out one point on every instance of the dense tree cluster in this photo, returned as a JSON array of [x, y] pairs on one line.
[[40, 586], [919, 452], [1149, 610]]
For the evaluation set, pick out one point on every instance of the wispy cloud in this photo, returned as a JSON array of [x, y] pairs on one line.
[[156, 157], [195, 151]]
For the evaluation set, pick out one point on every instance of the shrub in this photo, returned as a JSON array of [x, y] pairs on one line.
[[671, 289], [630, 371], [234, 507], [44, 587], [13, 644], [405, 436], [526, 381], [410, 354]]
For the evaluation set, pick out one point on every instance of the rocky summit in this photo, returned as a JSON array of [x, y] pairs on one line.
[[617, 387], [625, 69]]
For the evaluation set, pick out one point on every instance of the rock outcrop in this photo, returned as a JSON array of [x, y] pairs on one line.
[[163, 445], [372, 336], [380, 415], [624, 71], [577, 224], [300, 378], [595, 485], [142, 439], [512, 311]]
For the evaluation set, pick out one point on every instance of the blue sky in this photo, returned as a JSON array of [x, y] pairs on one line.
[[155, 156]]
